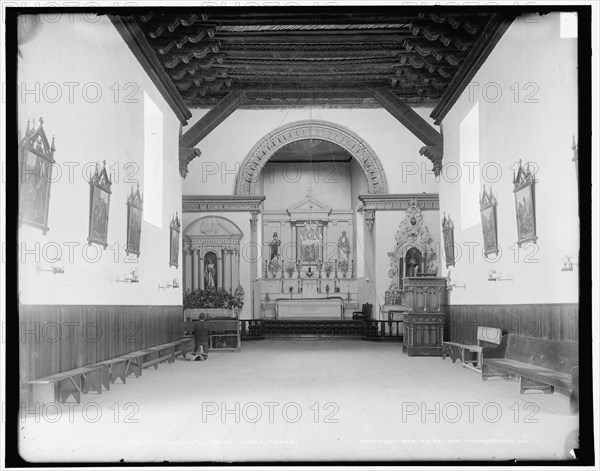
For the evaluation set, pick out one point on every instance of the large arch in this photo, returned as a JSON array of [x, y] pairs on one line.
[[264, 149]]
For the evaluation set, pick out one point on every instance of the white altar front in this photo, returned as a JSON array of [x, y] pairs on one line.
[[307, 308]]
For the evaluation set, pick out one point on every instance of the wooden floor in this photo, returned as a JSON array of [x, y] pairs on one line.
[[358, 401]]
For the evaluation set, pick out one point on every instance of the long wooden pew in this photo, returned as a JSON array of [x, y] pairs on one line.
[[60, 387]]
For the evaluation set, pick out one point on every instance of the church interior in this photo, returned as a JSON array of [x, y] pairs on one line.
[[298, 234]]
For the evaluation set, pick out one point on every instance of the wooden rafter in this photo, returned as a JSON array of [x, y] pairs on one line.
[[414, 53], [408, 117], [212, 119]]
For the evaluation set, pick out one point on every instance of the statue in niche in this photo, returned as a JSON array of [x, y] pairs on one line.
[[413, 262], [343, 247], [210, 273], [274, 245], [412, 268]]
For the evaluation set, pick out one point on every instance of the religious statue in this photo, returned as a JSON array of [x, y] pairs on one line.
[[413, 268], [210, 274], [343, 247], [274, 244]]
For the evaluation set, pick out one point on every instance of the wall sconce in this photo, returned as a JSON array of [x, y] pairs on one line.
[[169, 284], [567, 263], [495, 276], [131, 277], [450, 285], [57, 267]]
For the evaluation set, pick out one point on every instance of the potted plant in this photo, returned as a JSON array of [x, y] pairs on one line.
[[328, 268], [290, 268]]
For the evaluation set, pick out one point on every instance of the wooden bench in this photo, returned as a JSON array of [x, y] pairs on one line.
[[134, 362], [58, 387], [115, 368], [184, 346], [471, 355], [541, 364]]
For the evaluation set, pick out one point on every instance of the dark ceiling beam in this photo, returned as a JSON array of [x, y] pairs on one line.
[[408, 117], [368, 15], [321, 37], [135, 38], [212, 119], [493, 31]]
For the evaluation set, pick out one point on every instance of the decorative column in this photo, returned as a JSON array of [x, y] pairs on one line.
[[228, 270], [184, 279], [293, 239], [253, 246], [194, 268], [370, 253], [219, 280], [324, 251], [201, 271], [236, 272]]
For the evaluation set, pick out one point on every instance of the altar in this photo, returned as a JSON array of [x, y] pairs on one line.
[[310, 308]]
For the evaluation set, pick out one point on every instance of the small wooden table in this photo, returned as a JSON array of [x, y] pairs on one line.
[[226, 335]]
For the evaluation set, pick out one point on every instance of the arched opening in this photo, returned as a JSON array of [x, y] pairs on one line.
[[268, 146], [211, 254]]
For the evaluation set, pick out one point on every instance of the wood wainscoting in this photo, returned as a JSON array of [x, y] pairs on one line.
[[56, 338], [546, 321]]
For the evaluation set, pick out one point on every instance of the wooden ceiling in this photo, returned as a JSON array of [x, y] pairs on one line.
[[298, 56]]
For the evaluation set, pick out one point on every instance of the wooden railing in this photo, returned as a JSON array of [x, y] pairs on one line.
[[370, 329], [388, 330]]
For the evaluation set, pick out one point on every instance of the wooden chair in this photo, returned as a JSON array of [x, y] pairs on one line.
[[364, 314]]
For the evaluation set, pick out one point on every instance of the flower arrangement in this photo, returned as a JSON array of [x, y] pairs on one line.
[[289, 268], [213, 298], [343, 267], [328, 268], [274, 266], [238, 297]]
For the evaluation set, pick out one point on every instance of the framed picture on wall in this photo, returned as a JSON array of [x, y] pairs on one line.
[[100, 191], [135, 210], [36, 158], [448, 234], [487, 206], [524, 186], [175, 229]]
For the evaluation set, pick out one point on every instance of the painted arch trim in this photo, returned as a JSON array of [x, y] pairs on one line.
[[264, 149]]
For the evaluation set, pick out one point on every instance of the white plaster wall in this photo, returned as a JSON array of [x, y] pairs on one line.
[[535, 127], [286, 184], [225, 148], [88, 128]]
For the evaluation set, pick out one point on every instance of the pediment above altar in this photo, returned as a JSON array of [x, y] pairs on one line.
[[213, 227], [309, 208]]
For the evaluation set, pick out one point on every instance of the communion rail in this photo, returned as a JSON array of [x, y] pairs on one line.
[[367, 330]]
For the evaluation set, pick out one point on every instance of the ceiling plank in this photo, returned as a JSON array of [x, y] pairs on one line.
[[408, 117], [135, 38], [212, 119], [493, 31]]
